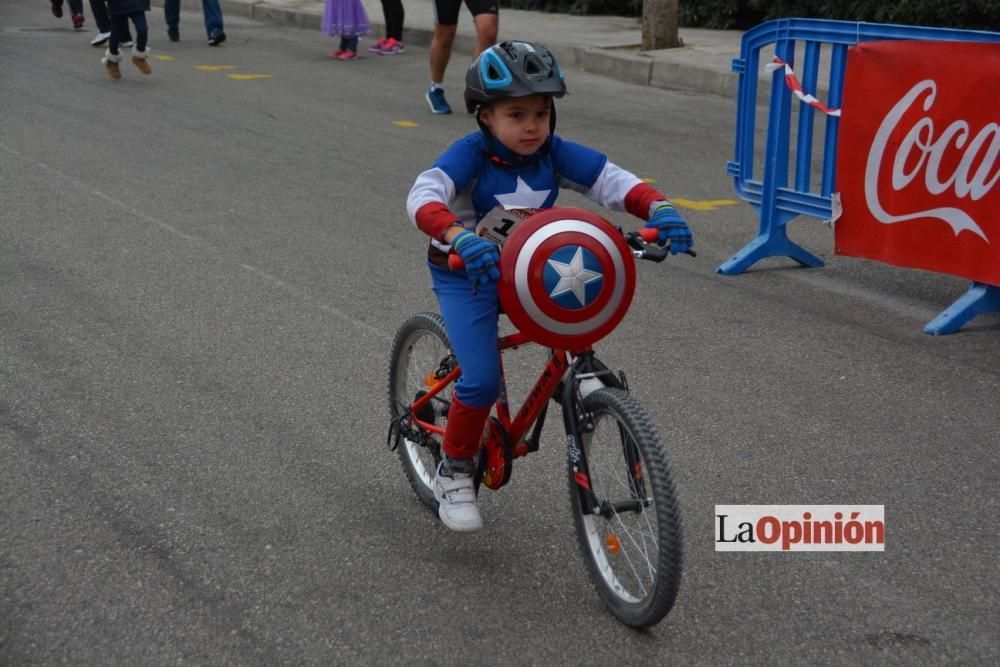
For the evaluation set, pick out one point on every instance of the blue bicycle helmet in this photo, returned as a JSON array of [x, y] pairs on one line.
[[512, 69]]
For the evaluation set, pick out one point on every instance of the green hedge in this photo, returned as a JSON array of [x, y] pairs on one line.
[[742, 14]]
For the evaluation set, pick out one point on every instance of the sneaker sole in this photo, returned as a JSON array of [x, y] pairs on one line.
[[427, 96]]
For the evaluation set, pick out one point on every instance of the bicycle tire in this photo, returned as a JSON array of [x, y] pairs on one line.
[[618, 581], [422, 329]]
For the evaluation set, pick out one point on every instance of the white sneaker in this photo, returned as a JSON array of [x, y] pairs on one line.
[[101, 39], [455, 492]]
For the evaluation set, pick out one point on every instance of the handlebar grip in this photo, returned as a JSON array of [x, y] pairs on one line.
[[455, 262], [649, 234]]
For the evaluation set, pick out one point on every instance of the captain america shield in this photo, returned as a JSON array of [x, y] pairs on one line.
[[567, 277]]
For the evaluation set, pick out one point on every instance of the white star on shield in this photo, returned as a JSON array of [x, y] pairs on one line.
[[523, 197], [573, 277]]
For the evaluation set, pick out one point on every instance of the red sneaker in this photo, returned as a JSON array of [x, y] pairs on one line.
[[348, 55], [391, 47], [77, 21], [336, 53], [377, 46]]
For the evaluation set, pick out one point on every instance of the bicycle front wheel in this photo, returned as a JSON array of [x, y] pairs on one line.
[[631, 542], [420, 350]]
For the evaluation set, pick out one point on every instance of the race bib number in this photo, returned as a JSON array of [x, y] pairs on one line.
[[499, 223]]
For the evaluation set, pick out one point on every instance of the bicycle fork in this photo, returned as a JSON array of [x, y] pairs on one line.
[[579, 424]]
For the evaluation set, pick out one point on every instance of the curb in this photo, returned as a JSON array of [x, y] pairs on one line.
[[623, 63]]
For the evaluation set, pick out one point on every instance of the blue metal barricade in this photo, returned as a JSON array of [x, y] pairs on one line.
[[778, 200]]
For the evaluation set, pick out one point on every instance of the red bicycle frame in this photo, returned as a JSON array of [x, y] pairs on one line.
[[515, 427]]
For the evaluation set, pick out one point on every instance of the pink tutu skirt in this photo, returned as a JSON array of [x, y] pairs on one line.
[[346, 18]]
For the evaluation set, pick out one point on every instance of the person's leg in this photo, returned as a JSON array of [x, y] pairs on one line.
[[213, 17], [172, 14], [112, 57], [76, 11], [394, 15], [471, 322], [140, 54], [351, 43], [57, 8], [444, 37], [485, 16], [487, 26], [119, 26], [101, 18], [141, 30]]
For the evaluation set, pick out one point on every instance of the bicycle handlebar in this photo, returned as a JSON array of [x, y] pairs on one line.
[[642, 242]]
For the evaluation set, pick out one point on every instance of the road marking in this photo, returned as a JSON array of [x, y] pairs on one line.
[[165, 59], [405, 123], [648, 180], [247, 77], [707, 205], [214, 68]]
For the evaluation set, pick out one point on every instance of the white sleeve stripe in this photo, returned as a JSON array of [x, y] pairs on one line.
[[611, 186], [433, 185]]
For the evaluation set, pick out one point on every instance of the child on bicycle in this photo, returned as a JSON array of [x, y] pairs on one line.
[[515, 161]]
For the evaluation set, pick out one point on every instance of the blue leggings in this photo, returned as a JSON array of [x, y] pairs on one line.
[[471, 321]]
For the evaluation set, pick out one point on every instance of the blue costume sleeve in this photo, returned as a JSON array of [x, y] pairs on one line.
[[578, 165]]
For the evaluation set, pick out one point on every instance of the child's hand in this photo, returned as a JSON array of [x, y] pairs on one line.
[[672, 228], [479, 256]]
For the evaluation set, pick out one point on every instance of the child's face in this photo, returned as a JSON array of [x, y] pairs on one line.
[[519, 123]]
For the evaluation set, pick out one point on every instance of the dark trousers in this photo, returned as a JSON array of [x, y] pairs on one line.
[[75, 6], [99, 8], [119, 31], [394, 14]]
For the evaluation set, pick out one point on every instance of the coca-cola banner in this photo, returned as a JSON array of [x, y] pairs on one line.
[[917, 160]]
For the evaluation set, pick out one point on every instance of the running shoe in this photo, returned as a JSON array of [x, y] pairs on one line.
[[391, 47], [455, 491], [436, 101], [377, 46]]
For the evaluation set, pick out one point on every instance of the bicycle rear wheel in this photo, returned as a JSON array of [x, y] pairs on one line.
[[420, 350], [631, 543]]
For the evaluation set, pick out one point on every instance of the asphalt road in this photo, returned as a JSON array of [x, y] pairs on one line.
[[200, 277]]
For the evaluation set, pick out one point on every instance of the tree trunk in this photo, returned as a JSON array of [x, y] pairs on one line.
[[659, 25]]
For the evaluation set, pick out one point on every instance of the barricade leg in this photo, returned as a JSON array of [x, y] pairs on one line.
[[773, 242], [979, 299]]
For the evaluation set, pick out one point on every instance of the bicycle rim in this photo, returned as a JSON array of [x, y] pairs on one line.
[[632, 548], [420, 347]]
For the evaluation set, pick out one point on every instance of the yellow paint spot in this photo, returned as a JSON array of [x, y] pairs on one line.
[[708, 205], [247, 77], [214, 68], [405, 123], [649, 180], [165, 59]]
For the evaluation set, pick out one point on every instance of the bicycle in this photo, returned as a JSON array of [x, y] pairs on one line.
[[622, 494]]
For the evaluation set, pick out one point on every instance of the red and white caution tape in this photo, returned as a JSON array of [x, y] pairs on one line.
[[793, 84]]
